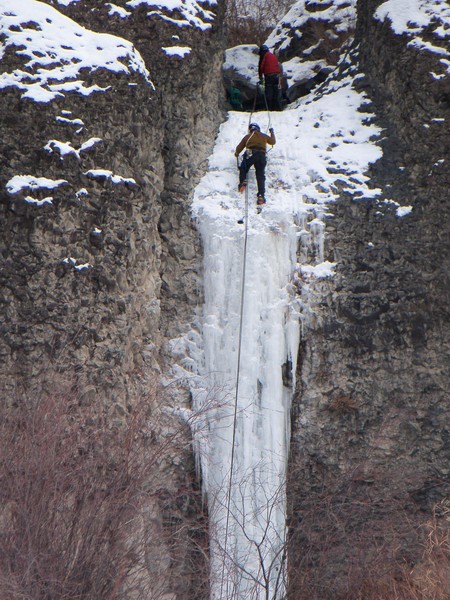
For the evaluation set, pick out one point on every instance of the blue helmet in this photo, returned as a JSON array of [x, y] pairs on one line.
[[254, 127], [263, 49]]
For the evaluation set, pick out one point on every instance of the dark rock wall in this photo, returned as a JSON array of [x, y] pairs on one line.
[[143, 283], [370, 445], [104, 328], [57, 318], [189, 101]]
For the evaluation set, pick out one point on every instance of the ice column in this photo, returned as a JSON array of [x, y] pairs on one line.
[[244, 437]]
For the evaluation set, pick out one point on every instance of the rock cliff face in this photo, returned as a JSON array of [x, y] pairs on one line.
[[102, 267], [96, 280], [316, 35], [160, 139], [370, 444]]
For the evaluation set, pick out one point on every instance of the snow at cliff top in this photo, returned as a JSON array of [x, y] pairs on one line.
[[341, 12], [181, 12], [412, 17], [192, 12], [57, 49]]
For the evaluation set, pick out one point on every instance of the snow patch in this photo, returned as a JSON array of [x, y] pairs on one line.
[[184, 12], [66, 148], [27, 182], [109, 175], [402, 211], [67, 121], [342, 13], [118, 10], [73, 262], [412, 17], [57, 49], [37, 202], [181, 51], [320, 271]]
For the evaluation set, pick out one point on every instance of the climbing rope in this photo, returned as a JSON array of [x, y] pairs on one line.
[[265, 102], [238, 369]]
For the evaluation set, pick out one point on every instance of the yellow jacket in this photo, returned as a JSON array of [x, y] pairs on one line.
[[255, 140]]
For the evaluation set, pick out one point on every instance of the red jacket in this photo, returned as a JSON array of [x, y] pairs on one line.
[[269, 65]]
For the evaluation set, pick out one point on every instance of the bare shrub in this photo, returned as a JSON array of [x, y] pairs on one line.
[[361, 538], [251, 22], [72, 493], [430, 577]]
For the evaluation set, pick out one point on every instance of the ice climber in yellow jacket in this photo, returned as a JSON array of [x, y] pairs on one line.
[[254, 144]]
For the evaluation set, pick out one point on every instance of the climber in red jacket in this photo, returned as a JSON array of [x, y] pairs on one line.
[[270, 69]]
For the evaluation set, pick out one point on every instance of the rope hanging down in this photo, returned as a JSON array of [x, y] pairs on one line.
[[238, 369], [265, 102]]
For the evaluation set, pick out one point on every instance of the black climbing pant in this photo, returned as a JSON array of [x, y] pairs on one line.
[[273, 92], [257, 160]]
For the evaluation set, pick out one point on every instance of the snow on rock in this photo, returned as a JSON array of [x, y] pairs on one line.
[[90, 143], [37, 202], [240, 69], [118, 10], [73, 262], [56, 49], [242, 61], [413, 17], [340, 13], [27, 182], [325, 269], [63, 148], [109, 175], [184, 13], [67, 121], [309, 41], [402, 211], [66, 148], [181, 51]]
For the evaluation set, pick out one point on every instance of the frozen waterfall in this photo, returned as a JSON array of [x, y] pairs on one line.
[[248, 518], [242, 407], [250, 335]]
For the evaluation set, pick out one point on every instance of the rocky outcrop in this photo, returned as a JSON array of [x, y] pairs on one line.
[[310, 40], [370, 448], [128, 232]]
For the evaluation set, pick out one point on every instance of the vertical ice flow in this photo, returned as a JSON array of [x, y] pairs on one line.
[[285, 244], [242, 434], [248, 519]]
